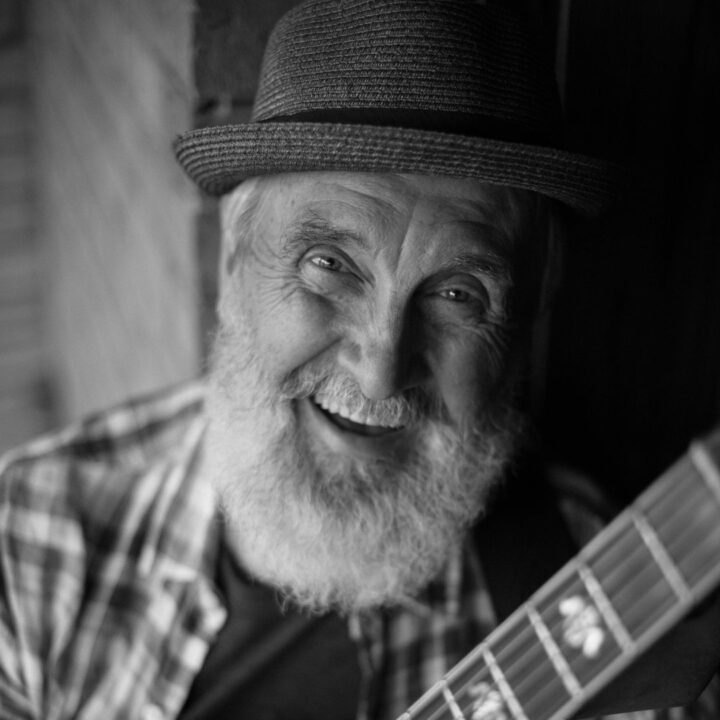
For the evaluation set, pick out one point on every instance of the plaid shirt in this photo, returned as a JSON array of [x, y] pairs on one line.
[[108, 544]]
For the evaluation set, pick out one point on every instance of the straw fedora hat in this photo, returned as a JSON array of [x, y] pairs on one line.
[[440, 87]]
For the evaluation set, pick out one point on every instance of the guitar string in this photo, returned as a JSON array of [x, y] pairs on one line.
[[692, 548], [543, 699], [651, 501], [691, 541], [537, 675], [675, 529], [619, 552], [706, 507]]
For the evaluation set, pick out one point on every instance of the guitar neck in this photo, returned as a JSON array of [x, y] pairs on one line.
[[624, 590]]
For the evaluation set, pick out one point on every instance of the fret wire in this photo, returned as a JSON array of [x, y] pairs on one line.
[[613, 566], [665, 562], [668, 494], [508, 635], [643, 616], [539, 676], [603, 604], [665, 483], [521, 638], [671, 522], [555, 584], [607, 546], [624, 660], [563, 591], [451, 702], [709, 569], [625, 580], [624, 543], [483, 676], [648, 584], [690, 549], [614, 563], [686, 540], [677, 472], [624, 533], [505, 690], [673, 492], [706, 467], [619, 587], [674, 530], [554, 653], [520, 664], [524, 641], [668, 515], [514, 642], [533, 673]]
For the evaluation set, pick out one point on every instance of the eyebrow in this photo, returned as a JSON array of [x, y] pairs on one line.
[[313, 228], [491, 265]]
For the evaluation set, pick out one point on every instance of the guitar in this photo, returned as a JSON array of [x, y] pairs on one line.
[[631, 584]]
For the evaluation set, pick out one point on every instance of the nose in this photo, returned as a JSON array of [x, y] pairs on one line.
[[383, 358]]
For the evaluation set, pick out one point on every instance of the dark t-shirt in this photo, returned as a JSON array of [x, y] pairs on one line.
[[273, 665], [268, 664]]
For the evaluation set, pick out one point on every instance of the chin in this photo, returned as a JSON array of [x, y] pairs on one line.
[[327, 529], [332, 532]]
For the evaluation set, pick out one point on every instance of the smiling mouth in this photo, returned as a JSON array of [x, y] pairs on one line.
[[353, 426]]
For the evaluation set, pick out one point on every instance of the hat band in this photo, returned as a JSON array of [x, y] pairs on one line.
[[457, 123]]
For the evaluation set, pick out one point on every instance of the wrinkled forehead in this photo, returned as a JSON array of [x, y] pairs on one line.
[[380, 200]]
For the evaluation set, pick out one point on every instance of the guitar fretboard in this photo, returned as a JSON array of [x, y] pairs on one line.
[[624, 590]]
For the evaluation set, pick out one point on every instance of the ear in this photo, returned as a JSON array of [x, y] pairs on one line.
[[238, 210], [226, 244]]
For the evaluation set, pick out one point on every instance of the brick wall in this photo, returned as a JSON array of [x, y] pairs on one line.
[[113, 84], [24, 409]]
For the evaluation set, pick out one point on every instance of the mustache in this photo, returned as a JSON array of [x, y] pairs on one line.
[[321, 381], [332, 388]]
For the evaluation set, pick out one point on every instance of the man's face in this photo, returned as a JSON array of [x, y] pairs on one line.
[[363, 373]]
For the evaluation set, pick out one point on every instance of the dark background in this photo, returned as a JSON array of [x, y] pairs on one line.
[[633, 367], [635, 348]]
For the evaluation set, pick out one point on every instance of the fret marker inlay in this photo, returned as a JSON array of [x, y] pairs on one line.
[[503, 686], [451, 703], [622, 636], [582, 626], [632, 583], [553, 652], [487, 702]]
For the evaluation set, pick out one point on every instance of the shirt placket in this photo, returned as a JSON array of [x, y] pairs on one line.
[[366, 631]]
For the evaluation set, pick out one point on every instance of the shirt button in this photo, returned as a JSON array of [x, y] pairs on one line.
[[152, 712]]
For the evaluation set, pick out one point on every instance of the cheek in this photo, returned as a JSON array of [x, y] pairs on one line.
[[470, 375], [293, 332]]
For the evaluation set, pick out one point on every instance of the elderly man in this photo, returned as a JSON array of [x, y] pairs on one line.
[[322, 529]]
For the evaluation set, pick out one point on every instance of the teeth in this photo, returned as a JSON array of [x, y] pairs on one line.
[[362, 417]]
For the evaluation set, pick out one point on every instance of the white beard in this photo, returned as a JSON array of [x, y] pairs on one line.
[[329, 531]]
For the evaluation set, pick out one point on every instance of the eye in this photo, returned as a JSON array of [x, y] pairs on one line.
[[327, 262], [456, 295], [326, 270], [459, 298]]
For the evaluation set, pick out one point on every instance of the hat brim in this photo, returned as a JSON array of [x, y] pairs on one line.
[[219, 158]]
